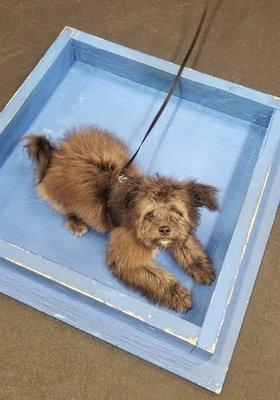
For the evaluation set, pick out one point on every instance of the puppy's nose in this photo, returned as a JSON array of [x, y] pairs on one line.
[[164, 230]]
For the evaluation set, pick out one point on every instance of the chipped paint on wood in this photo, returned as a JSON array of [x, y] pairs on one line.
[[255, 214], [59, 316], [128, 312]]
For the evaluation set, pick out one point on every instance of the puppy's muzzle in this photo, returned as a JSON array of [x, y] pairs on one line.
[[164, 230]]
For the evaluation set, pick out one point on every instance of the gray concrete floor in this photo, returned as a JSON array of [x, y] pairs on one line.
[[41, 358]]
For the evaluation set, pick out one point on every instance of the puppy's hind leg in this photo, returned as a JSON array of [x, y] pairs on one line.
[[132, 263], [75, 225]]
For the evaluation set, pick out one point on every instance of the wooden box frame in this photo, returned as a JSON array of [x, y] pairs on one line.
[[198, 353]]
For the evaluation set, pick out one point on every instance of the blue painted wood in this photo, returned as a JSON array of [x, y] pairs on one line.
[[219, 132], [203, 89], [85, 95], [240, 238]]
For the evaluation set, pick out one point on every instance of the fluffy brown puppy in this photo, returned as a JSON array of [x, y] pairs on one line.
[[79, 177]]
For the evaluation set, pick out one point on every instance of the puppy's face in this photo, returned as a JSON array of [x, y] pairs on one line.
[[163, 212]]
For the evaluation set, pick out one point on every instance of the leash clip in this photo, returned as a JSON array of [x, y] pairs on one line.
[[122, 178]]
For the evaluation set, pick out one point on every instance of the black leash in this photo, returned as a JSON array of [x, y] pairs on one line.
[[122, 175]]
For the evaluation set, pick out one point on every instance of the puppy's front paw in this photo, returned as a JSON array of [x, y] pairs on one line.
[[203, 273], [78, 230], [75, 226], [180, 298]]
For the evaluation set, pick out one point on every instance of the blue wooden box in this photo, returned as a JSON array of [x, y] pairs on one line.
[[216, 131]]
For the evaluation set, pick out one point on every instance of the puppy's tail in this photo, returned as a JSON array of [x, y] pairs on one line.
[[40, 150]]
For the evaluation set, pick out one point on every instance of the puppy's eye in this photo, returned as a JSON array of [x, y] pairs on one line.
[[179, 213], [150, 216]]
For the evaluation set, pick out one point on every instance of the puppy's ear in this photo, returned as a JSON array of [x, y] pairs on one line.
[[203, 195]]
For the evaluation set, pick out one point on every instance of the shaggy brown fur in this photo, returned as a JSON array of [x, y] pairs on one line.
[[79, 177]]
